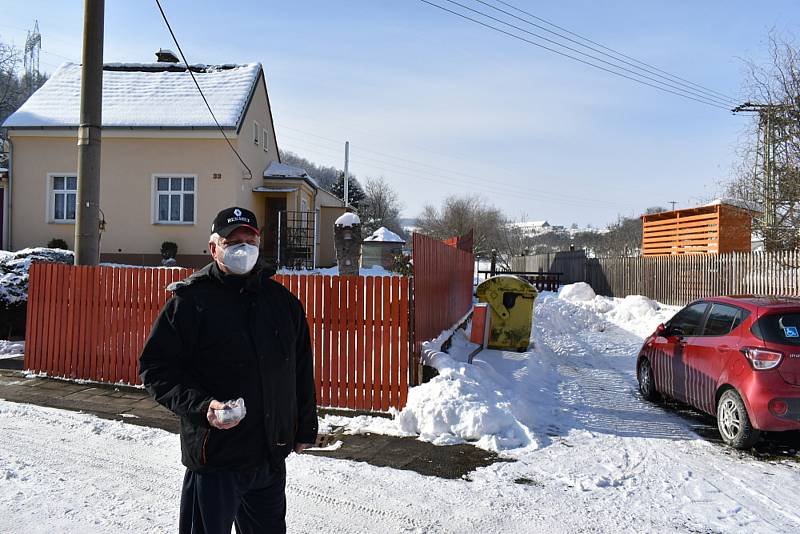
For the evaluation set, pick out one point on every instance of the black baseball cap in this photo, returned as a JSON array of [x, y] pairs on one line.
[[230, 219]]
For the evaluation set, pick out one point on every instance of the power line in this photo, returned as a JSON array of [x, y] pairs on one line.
[[711, 98], [585, 62], [189, 70], [481, 179], [616, 52], [497, 188]]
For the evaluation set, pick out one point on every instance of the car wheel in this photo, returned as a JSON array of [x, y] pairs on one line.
[[734, 423], [647, 383]]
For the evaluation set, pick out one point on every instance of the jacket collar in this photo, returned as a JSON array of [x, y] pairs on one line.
[[212, 272]]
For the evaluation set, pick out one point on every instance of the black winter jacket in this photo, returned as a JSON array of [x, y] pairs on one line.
[[223, 337]]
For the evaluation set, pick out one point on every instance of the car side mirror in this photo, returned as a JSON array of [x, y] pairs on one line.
[[660, 329]]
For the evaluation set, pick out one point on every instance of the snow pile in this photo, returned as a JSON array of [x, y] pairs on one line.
[[144, 95], [580, 292], [635, 313], [347, 219], [384, 235], [14, 270], [464, 404], [506, 401]]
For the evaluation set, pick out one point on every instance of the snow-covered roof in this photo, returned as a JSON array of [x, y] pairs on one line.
[[347, 219], [144, 95], [282, 170], [385, 235], [735, 203]]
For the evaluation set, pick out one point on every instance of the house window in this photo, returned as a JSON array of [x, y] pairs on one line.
[[256, 128], [264, 139], [65, 193], [175, 199]]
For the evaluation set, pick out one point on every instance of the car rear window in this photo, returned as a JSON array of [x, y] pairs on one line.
[[722, 319], [783, 328]]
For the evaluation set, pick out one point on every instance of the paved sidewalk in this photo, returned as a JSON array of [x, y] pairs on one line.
[[134, 406]]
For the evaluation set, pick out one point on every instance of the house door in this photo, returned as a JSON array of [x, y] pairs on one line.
[[270, 231]]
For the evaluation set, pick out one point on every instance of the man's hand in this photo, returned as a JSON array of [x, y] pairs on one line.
[[300, 447], [212, 417]]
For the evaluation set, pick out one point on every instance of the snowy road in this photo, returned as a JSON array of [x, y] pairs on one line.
[[590, 456]]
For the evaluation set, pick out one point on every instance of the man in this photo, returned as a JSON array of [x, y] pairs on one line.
[[231, 332]]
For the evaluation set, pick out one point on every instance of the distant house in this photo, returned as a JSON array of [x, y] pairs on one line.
[[533, 228], [166, 168]]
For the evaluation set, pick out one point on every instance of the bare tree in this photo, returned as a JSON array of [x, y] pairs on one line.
[[9, 84], [380, 207], [768, 177], [459, 215]]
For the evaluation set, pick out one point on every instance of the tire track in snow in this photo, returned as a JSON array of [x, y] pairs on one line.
[[387, 520]]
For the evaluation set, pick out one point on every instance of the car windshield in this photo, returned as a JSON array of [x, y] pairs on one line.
[[783, 328]]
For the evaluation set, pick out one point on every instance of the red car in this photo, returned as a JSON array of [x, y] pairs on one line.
[[737, 358]]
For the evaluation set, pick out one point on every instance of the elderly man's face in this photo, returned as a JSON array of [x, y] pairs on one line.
[[240, 235]]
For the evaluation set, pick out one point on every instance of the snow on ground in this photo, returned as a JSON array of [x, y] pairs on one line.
[[588, 454], [11, 349]]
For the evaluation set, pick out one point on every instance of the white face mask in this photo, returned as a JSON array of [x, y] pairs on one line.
[[240, 258]]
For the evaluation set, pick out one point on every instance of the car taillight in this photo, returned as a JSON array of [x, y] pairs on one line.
[[778, 407], [762, 359]]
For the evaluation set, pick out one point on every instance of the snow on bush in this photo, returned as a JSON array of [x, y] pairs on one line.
[[14, 270]]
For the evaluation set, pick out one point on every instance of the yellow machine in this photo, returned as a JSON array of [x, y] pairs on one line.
[[511, 301]]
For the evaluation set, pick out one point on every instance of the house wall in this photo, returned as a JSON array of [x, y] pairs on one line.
[[126, 190]]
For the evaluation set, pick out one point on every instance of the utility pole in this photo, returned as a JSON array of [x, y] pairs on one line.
[[673, 204], [87, 227], [346, 173], [769, 136]]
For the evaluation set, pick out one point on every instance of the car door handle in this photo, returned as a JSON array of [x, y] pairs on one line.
[[724, 348]]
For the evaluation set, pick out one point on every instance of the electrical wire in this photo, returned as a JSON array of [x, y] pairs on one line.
[[612, 50], [690, 86], [505, 190], [564, 54], [480, 179], [189, 70], [711, 99]]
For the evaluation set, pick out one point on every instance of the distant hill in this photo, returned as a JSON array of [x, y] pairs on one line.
[[326, 177]]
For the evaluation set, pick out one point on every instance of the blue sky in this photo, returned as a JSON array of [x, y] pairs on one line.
[[440, 106]]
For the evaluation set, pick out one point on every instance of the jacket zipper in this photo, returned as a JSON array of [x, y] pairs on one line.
[[203, 450]]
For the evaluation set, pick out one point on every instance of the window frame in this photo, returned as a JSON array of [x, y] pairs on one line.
[[700, 326], [50, 200], [155, 194], [264, 139], [256, 132], [739, 311]]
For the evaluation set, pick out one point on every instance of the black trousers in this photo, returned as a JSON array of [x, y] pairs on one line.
[[255, 501]]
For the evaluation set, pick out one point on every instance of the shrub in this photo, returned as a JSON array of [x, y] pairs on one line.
[[57, 242], [169, 249]]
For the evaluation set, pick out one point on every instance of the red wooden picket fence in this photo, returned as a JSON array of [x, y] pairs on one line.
[[443, 279], [91, 323]]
